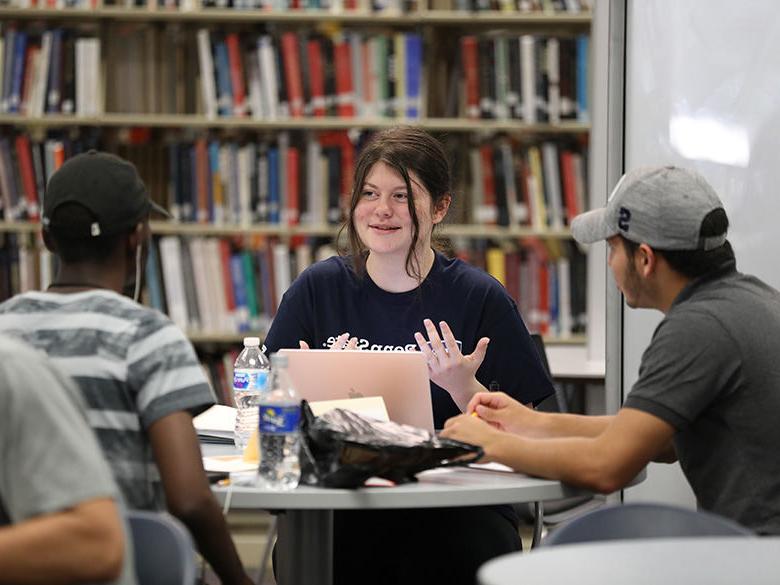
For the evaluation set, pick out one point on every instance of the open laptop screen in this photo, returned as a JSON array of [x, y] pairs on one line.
[[400, 378]]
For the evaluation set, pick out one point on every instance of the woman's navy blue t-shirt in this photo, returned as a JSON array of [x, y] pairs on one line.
[[329, 299]]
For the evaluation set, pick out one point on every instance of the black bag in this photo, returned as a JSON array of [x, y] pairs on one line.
[[341, 449]]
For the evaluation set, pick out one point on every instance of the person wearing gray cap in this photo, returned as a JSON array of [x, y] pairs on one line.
[[709, 382], [137, 371]]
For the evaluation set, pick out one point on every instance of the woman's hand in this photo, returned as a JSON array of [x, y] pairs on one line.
[[343, 341], [447, 366]]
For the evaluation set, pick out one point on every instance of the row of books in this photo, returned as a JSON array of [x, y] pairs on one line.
[[234, 285], [297, 74], [541, 186], [305, 177], [213, 285], [527, 77], [335, 6], [547, 280], [54, 71]]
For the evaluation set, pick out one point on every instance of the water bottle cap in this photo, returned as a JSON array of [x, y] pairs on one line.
[[278, 360], [251, 342]]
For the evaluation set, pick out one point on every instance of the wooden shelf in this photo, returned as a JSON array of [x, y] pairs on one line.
[[206, 15], [205, 229], [195, 121]]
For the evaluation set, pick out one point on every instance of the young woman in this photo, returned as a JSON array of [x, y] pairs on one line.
[[390, 288]]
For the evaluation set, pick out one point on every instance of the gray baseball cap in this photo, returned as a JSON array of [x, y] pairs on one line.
[[662, 207]]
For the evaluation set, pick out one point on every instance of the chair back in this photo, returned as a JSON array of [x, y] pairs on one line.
[[163, 549], [643, 520]]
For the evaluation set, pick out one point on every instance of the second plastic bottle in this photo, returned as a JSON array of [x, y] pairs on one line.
[[280, 417]]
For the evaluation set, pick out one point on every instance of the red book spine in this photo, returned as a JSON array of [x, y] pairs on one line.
[[59, 155], [569, 183], [227, 279], [345, 98], [469, 53], [30, 63], [293, 186], [202, 174], [28, 176], [347, 169], [236, 74], [292, 73], [316, 77]]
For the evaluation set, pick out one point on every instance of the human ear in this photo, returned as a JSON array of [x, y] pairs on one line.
[[49, 242], [441, 207], [645, 260]]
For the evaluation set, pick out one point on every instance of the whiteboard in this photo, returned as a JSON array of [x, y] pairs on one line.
[[702, 90]]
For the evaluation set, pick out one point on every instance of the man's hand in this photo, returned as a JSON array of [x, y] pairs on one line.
[[469, 429], [447, 366], [501, 411]]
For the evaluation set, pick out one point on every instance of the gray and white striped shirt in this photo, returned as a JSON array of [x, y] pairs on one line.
[[132, 364]]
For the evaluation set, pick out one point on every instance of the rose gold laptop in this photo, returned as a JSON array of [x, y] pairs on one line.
[[400, 378]]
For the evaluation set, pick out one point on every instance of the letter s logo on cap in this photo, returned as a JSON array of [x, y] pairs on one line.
[[623, 218]]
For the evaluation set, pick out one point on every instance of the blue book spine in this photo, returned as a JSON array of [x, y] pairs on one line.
[[54, 81], [239, 292], [552, 275], [583, 50], [216, 209], [174, 180], [192, 192], [414, 50], [224, 87], [273, 185], [17, 75], [153, 280], [7, 65]]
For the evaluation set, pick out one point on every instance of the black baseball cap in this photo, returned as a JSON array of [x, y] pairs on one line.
[[109, 188]]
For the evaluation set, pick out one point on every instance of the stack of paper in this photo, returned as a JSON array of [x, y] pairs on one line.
[[216, 425]]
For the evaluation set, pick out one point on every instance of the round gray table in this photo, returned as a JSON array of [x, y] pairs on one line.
[[305, 542], [712, 560]]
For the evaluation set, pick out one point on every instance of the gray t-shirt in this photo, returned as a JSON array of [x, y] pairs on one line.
[[132, 365], [49, 459], [712, 371]]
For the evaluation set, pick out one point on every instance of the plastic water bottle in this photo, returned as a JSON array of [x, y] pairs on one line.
[[250, 380], [280, 417]]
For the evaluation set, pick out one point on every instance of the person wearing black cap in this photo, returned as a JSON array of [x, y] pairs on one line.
[[709, 385], [138, 373]]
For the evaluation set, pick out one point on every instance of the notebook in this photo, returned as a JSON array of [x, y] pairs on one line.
[[400, 378]]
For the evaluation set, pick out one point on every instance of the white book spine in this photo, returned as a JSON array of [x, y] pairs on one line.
[[268, 76], [553, 81], [201, 278], [206, 64], [552, 182], [282, 280], [528, 78], [170, 258]]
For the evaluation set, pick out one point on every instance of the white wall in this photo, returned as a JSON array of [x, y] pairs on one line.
[[703, 91]]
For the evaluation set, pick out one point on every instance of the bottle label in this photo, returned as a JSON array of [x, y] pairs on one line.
[[250, 380], [279, 419]]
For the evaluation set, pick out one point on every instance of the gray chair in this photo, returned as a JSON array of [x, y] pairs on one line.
[[642, 520], [563, 509], [162, 549]]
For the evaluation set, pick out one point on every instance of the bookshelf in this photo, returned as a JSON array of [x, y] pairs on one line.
[[152, 134]]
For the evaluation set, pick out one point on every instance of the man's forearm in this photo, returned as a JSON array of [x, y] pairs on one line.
[[210, 532], [553, 424], [80, 545]]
